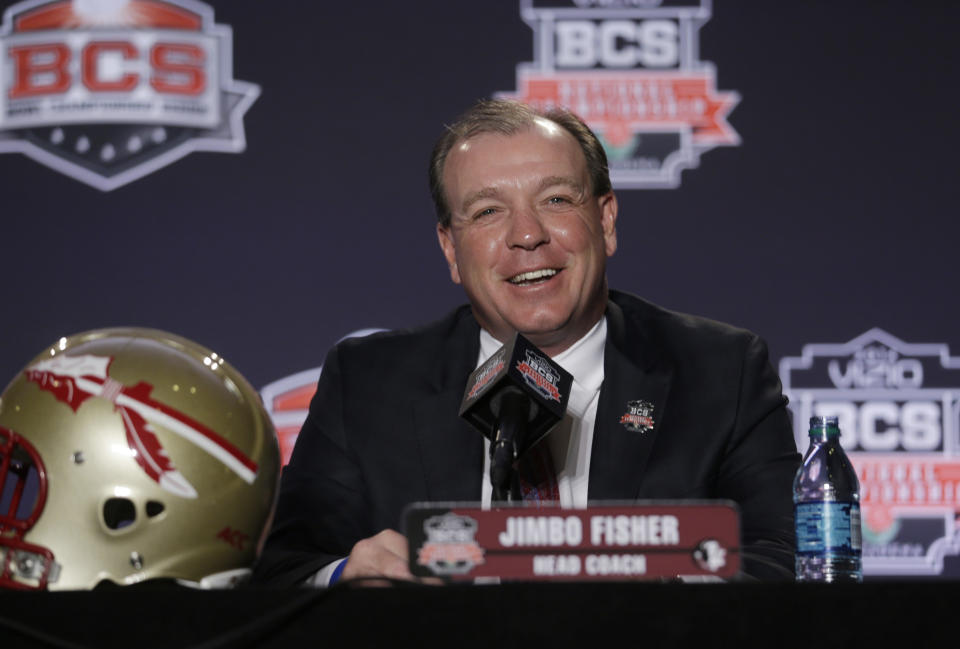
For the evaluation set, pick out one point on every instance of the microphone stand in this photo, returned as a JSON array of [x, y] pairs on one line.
[[511, 428]]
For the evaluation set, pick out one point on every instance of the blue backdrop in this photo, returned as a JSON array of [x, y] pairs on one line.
[[832, 213]]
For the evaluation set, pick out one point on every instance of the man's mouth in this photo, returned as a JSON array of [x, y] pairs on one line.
[[533, 276]]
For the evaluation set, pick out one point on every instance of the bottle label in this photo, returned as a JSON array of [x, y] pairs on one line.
[[828, 527]]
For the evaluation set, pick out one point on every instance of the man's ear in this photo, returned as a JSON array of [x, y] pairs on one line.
[[608, 221], [445, 237]]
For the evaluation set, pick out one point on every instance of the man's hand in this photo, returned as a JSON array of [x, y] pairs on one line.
[[382, 555]]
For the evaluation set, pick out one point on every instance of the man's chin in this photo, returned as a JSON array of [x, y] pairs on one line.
[[554, 334], [552, 330], [537, 332], [551, 337]]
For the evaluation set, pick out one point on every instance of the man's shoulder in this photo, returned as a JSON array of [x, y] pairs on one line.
[[421, 343], [396, 364], [678, 333]]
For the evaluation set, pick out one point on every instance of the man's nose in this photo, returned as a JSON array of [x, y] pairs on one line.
[[527, 229]]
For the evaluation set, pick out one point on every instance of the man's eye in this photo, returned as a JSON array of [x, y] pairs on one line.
[[485, 212], [558, 200]]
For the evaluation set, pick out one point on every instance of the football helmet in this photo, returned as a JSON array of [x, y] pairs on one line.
[[128, 455]]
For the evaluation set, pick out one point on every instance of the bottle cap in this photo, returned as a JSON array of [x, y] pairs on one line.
[[830, 425]]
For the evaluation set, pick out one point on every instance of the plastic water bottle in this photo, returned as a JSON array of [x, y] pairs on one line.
[[826, 497]]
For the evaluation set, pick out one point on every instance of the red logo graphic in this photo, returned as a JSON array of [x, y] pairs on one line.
[[450, 547], [450, 554], [108, 91], [287, 400], [235, 538], [74, 379], [538, 381], [622, 104], [639, 416], [484, 379], [637, 421], [630, 70], [898, 408]]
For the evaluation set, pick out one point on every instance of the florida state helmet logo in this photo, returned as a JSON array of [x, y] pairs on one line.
[[74, 379]]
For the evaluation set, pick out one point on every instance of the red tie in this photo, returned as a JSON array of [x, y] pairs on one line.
[[537, 476]]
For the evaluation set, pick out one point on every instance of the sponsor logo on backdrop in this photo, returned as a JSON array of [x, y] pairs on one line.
[[897, 405], [108, 91], [631, 70]]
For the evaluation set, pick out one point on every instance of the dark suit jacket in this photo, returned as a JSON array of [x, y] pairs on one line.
[[383, 431]]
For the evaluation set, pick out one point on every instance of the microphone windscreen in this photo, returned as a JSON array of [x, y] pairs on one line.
[[518, 365]]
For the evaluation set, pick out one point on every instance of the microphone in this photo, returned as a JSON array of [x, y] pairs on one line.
[[513, 399]]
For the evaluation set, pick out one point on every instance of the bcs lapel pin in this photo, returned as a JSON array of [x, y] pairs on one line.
[[639, 417]]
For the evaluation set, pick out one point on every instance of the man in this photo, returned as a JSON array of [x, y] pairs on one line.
[[527, 219]]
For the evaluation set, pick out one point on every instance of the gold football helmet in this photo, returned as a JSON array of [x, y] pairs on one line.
[[132, 454]]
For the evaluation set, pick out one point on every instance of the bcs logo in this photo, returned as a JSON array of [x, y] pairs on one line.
[[540, 375], [630, 69], [898, 406], [108, 91], [451, 547]]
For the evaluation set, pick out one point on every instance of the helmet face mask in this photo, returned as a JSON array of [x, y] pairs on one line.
[[24, 566], [127, 455]]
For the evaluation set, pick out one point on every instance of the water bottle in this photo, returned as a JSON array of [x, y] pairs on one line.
[[826, 497]]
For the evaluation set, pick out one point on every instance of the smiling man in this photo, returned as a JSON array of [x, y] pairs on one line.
[[663, 405], [526, 234]]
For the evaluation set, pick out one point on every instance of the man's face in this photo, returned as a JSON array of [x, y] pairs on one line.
[[527, 240]]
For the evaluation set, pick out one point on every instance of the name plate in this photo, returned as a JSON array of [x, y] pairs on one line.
[[650, 540]]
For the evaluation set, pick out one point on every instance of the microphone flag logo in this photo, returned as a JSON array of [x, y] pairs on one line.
[[518, 365], [540, 375]]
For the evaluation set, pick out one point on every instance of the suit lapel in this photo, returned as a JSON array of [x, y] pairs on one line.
[[451, 450], [633, 371]]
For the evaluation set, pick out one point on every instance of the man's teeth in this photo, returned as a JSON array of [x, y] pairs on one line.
[[533, 275]]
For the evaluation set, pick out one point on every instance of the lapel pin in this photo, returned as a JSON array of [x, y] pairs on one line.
[[639, 416]]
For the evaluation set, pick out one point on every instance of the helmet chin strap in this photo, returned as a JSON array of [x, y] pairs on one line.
[[219, 580]]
